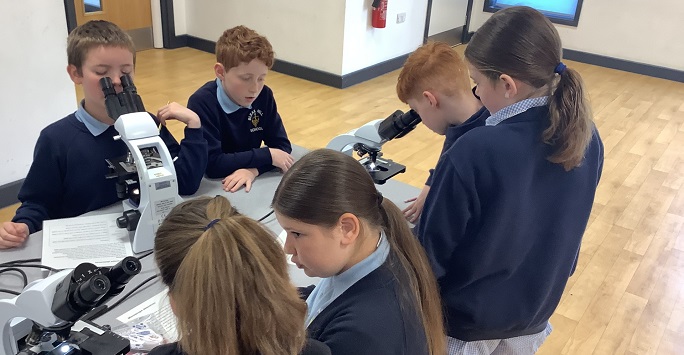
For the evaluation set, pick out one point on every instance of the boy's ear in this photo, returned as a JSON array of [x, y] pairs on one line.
[[509, 85], [220, 71], [350, 226], [431, 98], [75, 74]]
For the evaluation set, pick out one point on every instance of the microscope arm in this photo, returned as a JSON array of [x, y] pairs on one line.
[[366, 134]]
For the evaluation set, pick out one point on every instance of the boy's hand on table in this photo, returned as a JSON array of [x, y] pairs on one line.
[[281, 159], [13, 234], [176, 111], [240, 177], [413, 211]]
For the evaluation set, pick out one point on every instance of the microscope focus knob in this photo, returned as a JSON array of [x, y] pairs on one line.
[[122, 222], [129, 220]]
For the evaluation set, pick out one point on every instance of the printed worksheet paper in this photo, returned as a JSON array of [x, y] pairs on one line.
[[68, 242]]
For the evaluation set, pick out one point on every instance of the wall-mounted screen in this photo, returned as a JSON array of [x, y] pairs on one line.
[[564, 12]]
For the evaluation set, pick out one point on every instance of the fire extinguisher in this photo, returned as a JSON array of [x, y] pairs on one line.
[[379, 18]]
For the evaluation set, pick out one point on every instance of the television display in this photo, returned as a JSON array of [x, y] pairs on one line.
[[564, 12]]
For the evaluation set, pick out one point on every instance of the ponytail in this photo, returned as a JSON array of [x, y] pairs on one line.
[[521, 42], [417, 273], [228, 279], [571, 126]]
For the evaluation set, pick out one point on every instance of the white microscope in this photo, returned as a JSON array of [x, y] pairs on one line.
[[369, 138], [147, 180], [46, 317]]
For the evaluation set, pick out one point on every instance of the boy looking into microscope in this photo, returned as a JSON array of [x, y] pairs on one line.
[[67, 176], [434, 82]]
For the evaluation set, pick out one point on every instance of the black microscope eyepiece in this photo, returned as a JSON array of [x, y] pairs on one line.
[[127, 83], [111, 98], [123, 271], [88, 293], [78, 293], [398, 124], [107, 86], [132, 99]]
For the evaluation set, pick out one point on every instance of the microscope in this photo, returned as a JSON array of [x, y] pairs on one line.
[[369, 138], [46, 317], [146, 177]]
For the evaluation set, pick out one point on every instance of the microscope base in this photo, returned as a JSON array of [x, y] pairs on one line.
[[89, 340]]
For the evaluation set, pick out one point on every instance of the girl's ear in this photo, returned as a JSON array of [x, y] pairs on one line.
[[350, 226], [509, 86]]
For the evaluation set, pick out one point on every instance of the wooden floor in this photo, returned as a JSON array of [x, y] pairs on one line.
[[627, 295]]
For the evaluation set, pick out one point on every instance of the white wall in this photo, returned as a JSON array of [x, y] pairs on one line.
[[633, 30], [365, 46], [179, 17], [36, 89], [333, 36], [302, 32], [447, 15]]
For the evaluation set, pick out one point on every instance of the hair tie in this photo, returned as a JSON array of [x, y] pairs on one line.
[[560, 68], [211, 223], [380, 198]]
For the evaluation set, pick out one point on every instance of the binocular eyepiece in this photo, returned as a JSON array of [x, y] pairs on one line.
[[126, 101], [398, 124], [87, 287]]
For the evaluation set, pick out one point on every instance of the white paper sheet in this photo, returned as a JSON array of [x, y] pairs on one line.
[[95, 239], [157, 315]]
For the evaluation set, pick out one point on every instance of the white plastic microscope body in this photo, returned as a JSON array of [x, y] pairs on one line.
[[33, 305], [158, 185], [366, 134]]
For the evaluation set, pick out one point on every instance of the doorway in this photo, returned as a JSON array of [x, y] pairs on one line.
[[446, 21], [133, 16]]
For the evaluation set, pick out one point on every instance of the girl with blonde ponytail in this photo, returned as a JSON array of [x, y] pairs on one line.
[[228, 284], [510, 201], [378, 295]]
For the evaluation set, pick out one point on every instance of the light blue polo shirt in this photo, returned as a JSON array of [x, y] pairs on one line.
[[226, 103], [94, 126]]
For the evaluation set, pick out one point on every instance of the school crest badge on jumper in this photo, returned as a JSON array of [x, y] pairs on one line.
[[254, 117]]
